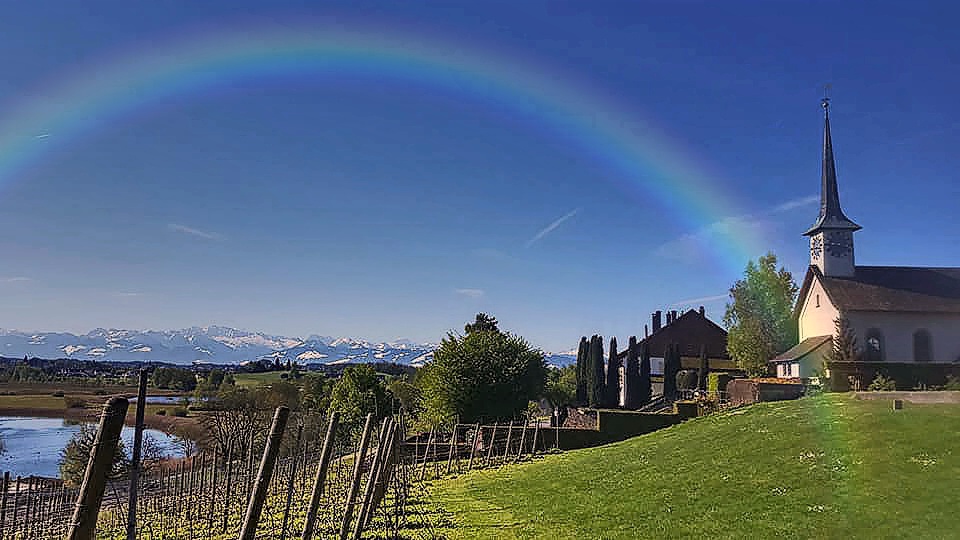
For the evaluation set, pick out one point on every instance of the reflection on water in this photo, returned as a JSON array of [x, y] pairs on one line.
[[33, 445]]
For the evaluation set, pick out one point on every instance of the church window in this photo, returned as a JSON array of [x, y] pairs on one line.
[[874, 348], [818, 300], [922, 349]]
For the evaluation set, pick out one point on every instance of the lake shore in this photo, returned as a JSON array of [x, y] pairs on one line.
[[54, 407]]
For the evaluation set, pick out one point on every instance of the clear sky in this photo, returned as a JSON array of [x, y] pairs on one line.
[[388, 169]]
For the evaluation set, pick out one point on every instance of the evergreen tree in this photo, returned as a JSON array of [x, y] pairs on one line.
[[612, 384], [844, 347], [582, 354], [482, 323], [595, 382], [76, 454], [670, 370], [645, 392], [631, 376], [704, 369]]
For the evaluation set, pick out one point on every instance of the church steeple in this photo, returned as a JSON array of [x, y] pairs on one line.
[[831, 237], [831, 215]]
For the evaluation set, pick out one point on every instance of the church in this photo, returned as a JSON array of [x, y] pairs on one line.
[[897, 313]]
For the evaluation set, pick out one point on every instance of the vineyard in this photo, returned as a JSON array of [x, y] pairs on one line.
[[280, 485]]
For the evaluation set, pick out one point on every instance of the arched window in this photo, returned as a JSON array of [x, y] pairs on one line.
[[922, 349], [874, 346]]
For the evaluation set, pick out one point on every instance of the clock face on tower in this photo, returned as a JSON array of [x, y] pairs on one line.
[[838, 244], [816, 247]]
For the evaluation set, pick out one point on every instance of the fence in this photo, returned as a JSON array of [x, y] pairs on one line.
[[338, 486]]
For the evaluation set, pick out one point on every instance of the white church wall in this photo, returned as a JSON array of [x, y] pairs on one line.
[[817, 314], [898, 329]]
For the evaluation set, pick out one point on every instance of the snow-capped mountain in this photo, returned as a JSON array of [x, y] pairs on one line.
[[217, 344]]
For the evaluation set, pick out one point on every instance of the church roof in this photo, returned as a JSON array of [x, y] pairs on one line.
[[891, 288], [831, 215], [803, 348]]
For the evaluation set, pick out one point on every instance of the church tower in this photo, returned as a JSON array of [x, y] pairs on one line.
[[831, 237]]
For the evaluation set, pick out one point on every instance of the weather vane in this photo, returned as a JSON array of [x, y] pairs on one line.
[[825, 102]]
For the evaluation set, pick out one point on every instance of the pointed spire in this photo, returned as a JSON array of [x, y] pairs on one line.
[[831, 215]]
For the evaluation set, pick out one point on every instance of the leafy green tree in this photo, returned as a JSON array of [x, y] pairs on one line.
[[215, 378], [759, 319], [174, 378], [583, 351], [281, 394], [595, 387], [406, 393], [481, 376], [316, 393], [76, 454], [561, 390], [358, 392], [483, 323]]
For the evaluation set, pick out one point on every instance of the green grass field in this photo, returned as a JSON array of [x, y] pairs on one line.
[[824, 467], [251, 380]]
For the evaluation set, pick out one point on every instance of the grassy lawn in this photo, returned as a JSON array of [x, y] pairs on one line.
[[251, 380], [824, 467]]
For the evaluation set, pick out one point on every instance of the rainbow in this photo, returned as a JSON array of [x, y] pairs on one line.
[[641, 157]]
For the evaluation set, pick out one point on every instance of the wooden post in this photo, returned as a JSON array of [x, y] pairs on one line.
[[506, 449], [375, 467], [321, 477], [426, 452], [229, 485], [259, 494], [386, 471], [523, 440], [293, 473], [135, 461], [453, 444], [3, 501], [357, 475], [477, 430], [536, 433], [83, 526], [493, 437]]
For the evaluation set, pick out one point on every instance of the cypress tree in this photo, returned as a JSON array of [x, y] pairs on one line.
[[704, 369], [582, 351], [631, 376], [595, 382], [645, 391], [670, 373], [612, 384]]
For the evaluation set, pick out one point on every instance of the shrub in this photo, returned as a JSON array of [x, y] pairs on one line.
[[58, 393], [881, 383], [953, 383], [161, 412], [73, 402], [687, 379], [180, 412], [717, 382]]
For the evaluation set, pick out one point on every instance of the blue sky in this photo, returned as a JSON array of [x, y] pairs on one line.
[[384, 207]]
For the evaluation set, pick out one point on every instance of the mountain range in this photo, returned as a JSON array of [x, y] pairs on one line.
[[218, 345]]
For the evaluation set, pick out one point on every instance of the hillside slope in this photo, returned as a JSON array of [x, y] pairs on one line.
[[824, 467]]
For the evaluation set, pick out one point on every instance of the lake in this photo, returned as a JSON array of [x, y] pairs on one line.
[[33, 445], [169, 400]]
